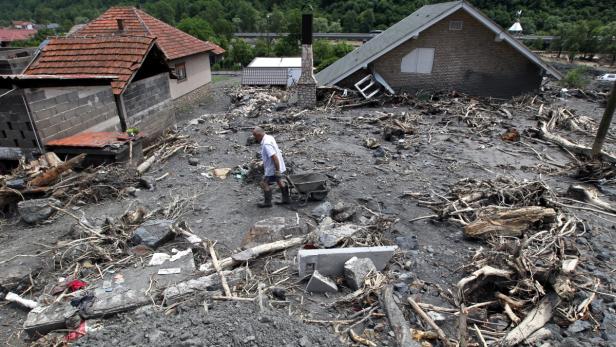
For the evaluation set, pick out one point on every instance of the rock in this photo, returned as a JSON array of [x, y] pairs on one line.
[[401, 288], [356, 270], [608, 326], [322, 211], [193, 161], [378, 153], [147, 182], [407, 243], [17, 183], [153, 233], [279, 293], [579, 326], [345, 215], [329, 238], [37, 210], [321, 284]]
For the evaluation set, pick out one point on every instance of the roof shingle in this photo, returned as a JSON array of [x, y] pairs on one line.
[[173, 42], [120, 56]]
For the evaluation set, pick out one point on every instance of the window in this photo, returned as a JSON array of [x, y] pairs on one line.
[[180, 72], [455, 25], [420, 60]]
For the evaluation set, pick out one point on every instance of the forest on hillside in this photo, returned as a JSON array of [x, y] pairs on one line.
[[586, 26]]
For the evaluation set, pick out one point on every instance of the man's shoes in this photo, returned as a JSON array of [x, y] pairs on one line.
[[267, 199], [286, 197]]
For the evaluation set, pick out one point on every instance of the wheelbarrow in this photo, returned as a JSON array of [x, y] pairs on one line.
[[309, 186]]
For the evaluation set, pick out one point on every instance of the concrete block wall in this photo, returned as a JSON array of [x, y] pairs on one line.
[[148, 92], [15, 127], [64, 111], [467, 60], [149, 106]]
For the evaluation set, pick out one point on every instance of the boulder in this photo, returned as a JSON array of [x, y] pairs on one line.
[[37, 210], [356, 270], [153, 233]]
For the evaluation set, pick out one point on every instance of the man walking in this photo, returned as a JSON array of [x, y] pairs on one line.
[[273, 165]]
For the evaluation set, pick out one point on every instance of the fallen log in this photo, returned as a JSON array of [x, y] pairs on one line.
[[534, 321], [545, 134], [396, 319], [52, 174], [508, 222], [251, 254], [143, 167]]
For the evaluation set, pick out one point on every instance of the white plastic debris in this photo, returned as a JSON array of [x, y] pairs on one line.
[[158, 259], [170, 271], [12, 297]]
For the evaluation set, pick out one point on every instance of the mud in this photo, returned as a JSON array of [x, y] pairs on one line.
[[442, 150]]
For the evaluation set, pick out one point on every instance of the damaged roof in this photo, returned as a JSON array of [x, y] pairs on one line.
[[120, 56], [410, 27], [174, 43]]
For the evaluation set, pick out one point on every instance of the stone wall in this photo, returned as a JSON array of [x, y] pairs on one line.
[[467, 60], [14, 61], [148, 105], [64, 111]]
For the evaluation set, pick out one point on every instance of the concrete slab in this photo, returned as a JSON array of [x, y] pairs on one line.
[[210, 283], [321, 284], [153, 233], [330, 262], [330, 236], [44, 319]]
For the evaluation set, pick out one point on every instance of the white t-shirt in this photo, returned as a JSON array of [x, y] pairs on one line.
[[269, 147]]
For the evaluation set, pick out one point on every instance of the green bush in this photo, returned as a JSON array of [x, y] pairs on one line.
[[576, 78]]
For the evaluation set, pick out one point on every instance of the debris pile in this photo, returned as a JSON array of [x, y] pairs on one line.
[[253, 102], [526, 274]]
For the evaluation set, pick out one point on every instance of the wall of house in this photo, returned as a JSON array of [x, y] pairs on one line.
[[198, 73], [64, 111], [15, 60], [15, 127], [467, 60], [148, 105]]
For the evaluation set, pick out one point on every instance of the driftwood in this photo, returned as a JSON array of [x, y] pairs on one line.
[[396, 319], [484, 271], [545, 134], [590, 196], [223, 280], [252, 253], [441, 335], [143, 167], [508, 222], [52, 174], [534, 321]]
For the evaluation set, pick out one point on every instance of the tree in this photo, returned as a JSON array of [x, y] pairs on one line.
[[161, 10], [198, 28], [349, 22], [241, 52], [366, 20], [277, 21], [607, 40]]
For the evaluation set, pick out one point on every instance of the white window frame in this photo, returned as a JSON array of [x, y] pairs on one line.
[[456, 25], [419, 60]]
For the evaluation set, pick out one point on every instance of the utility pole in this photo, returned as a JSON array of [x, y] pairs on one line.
[[604, 126]]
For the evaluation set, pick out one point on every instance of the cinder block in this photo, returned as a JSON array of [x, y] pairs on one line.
[[330, 262], [321, 284]]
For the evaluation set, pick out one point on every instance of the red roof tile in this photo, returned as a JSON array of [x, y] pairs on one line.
[[120, 56], [173, 42], [9, 35]]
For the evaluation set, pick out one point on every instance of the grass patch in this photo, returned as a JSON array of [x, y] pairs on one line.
[[576, 78]]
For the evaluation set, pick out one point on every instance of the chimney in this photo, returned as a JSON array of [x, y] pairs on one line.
[[307, 84], [120, 24]]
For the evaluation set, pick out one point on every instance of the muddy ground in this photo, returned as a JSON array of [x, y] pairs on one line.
[[443, 150]]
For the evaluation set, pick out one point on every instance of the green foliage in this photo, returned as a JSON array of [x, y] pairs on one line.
[[198, 28], [326, 52], [576, 78]]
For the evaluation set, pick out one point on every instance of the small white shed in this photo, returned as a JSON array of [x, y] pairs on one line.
[[272, 71]]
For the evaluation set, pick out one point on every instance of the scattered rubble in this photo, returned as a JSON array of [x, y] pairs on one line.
[[37, 210], [321, 284]]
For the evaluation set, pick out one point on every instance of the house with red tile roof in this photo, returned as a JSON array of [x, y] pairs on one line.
[[121, 70], [188, 57]]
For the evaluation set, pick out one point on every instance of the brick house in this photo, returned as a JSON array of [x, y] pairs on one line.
[[446, 46], [189, 57]]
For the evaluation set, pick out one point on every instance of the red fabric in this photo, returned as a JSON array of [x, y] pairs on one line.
[[77, 333], [75, 285]]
